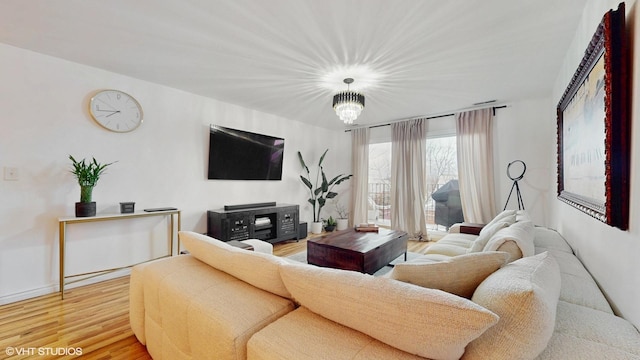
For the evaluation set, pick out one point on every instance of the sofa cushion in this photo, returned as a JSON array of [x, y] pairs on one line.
[[547, 239], [458, 275], [446, 249], [487, 232], [524, 294], [584, 291], [452, 244], [522, 215], [511, 248], [426, 322], [521, 233], [185, 301], [303, 334], [597, 326], [563, 346], [505, 215], [585, 333], [258, 269], [462, 240], [136, 302]]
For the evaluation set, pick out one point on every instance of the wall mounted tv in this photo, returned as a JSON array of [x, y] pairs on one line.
[[242, 155]]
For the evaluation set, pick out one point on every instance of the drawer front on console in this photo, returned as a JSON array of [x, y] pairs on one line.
[[236, 229], [288, 225], [227, 227]]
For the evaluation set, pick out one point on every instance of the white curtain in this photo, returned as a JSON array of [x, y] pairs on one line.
[[360, 179], [475, 164], [408, 177]]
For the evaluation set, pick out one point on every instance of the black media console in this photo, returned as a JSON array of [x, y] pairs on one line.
[[265, 221]]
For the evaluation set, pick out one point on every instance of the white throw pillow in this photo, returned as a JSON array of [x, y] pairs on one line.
[[522, 215], [488, 231], [459, 275], [522, 233], [426, 322], [258, 269], [505, 215], [525, 295]]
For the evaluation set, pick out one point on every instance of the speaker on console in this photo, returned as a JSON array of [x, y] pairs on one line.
[[248, 206], [302, 230]]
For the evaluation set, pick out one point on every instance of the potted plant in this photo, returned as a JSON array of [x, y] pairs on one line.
[[88, 174], [342, 222], [320, 191], [330, 224]]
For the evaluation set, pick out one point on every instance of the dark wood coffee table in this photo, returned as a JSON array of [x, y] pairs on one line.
[[366, 252]]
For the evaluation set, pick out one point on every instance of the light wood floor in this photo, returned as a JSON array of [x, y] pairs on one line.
[[93, 318]]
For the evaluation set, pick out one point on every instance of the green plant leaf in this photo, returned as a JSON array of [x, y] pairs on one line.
[[306, 182], [325, 184], [87, 173], [343, 179], [334, 179], [302, 162], [331, 195], [322, 158]]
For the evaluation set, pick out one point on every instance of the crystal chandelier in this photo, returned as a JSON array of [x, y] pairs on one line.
[[348, 104]]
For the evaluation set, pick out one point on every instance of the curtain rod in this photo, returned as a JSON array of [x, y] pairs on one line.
[[427, 118]]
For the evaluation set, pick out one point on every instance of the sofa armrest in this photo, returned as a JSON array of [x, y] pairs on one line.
[[470, 228]]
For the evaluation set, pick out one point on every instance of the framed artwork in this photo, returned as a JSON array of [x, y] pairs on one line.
[[594, 128]]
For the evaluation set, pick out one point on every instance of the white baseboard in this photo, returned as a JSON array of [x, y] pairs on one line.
[[8, 299], [54, 288]]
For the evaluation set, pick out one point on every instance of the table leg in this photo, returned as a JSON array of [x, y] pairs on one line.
[[62, 231], [178, 231]]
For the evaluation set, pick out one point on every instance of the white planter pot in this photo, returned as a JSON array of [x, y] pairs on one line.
[[343, 224], [316, 227]]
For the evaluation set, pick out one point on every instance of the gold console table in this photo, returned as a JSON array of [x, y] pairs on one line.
[[62, 223]]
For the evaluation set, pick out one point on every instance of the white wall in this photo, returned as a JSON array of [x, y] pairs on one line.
[[522, 132], [44, 118], [611, 255]]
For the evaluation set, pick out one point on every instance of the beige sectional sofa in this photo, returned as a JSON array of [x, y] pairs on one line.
[[221, 302], [510, 231]]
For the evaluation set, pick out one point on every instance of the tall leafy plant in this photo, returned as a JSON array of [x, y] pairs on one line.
[[322, 189], [88, 174]]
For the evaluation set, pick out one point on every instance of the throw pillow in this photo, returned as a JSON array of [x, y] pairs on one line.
[[488, 231], [522, 233], [426, 322], [525, 295], [258, 269], [459, 275], [504, 215]]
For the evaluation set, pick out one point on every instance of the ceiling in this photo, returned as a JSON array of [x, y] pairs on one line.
[[288, 57]]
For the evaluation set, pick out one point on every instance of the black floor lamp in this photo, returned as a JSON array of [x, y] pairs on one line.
[[515, 184]]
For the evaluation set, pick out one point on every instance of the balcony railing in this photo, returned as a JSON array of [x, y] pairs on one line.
[[380, 201]]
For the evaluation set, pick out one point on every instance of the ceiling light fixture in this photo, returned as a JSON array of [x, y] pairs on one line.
[[348, 104]]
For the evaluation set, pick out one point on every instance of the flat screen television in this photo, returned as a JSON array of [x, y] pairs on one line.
[[242, 155]]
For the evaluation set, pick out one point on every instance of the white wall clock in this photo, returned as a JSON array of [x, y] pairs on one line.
[[115, 110]]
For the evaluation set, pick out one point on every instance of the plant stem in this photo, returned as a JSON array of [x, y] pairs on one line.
[[86, 194]]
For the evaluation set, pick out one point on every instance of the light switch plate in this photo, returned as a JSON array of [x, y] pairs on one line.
[[11, 173]]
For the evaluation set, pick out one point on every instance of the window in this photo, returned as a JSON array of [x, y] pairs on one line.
[[442, 170], [442, 167], [380, 183]]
